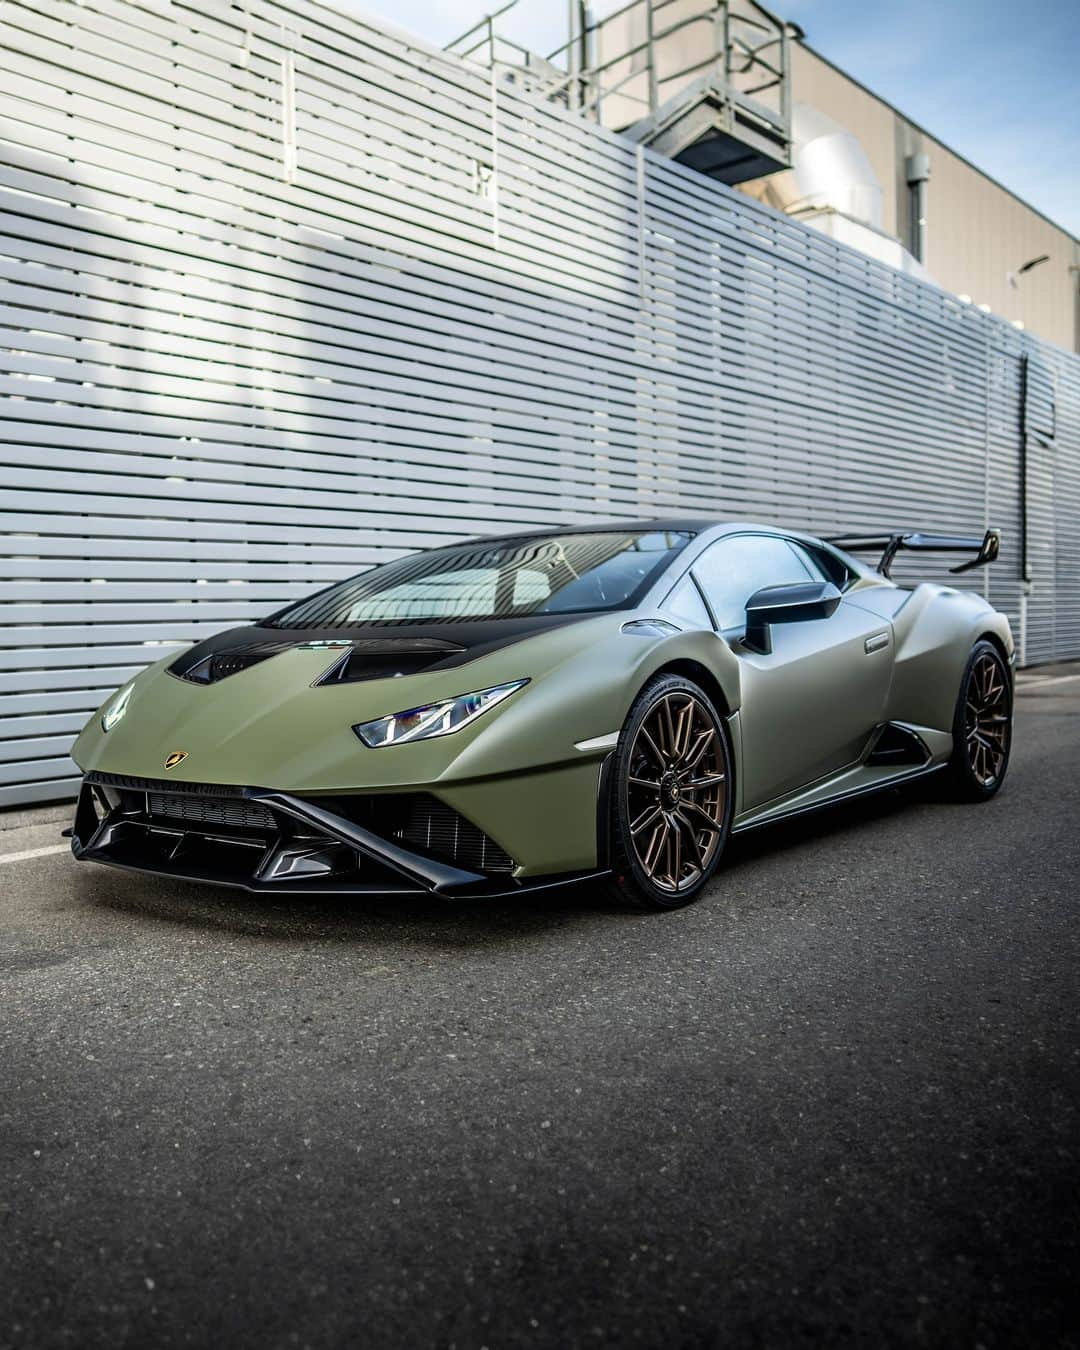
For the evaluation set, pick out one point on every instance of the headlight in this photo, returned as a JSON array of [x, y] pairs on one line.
[[116, 709], [434, 719]]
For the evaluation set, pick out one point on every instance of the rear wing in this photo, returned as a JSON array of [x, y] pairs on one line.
[[985, 549]]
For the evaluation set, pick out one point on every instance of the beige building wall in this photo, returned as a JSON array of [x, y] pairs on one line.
[[977, 231]]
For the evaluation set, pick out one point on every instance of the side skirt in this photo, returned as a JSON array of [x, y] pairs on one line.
[[850, 794]]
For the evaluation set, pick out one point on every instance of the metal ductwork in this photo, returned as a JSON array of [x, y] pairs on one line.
[[833, 187]]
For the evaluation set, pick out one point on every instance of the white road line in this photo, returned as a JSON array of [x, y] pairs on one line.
[[29, 853]]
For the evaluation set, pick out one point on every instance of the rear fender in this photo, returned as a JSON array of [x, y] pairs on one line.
[[934, 632]]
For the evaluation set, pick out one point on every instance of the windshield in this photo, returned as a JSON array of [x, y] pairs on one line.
[[553, 574]]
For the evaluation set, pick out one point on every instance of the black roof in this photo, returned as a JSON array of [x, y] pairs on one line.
[[688, 524]]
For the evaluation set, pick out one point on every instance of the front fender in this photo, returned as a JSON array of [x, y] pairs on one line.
[[533, 779]]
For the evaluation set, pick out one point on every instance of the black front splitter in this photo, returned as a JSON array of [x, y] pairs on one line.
[[282, 889]]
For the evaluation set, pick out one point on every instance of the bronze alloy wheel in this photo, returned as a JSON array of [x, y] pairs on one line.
[[677, 792], [982, 726], [987, 718]]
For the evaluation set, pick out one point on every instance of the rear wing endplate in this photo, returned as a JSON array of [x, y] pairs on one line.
[[985, 549]]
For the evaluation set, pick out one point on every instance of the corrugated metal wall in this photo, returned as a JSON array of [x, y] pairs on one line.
[[285, 294]]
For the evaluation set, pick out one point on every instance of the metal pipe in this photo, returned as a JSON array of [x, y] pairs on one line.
[[917, 172], [650, 45], [626, 52], [573, 54], [583, 50], [485, 22]]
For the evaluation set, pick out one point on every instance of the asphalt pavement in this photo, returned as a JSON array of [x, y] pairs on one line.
[[835, 1103]]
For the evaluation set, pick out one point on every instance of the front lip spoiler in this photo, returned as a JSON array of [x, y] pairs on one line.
[[420, 875]]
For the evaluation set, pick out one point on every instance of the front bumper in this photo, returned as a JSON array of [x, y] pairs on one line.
[[275, 842]]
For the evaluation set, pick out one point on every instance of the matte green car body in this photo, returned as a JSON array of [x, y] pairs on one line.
[[528, 773]]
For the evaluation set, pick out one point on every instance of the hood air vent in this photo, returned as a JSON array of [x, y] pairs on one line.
[[208, 668], [353, 659], [384, 658]]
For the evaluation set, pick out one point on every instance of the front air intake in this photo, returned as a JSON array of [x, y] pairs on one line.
[[227, 812], [433, 827]]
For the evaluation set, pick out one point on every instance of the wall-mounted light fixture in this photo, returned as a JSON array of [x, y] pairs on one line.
[[1013, 277]]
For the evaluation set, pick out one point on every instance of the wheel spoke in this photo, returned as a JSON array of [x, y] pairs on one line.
[[692, 839], [684, 729], [667, 729], [653, 748], [694, 809], [656, 844], [707, 780], [675, 835], [695, 754], [645, 819], [653, 784]]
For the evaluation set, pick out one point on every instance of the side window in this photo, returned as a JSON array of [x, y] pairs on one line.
[[831, 567], [810, 561], [733, 569], [685, 603]]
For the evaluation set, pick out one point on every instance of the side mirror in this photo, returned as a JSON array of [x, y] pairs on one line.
[[796, 603]]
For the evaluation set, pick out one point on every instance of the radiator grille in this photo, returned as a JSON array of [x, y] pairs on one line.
[[233, 812], [433, 827]]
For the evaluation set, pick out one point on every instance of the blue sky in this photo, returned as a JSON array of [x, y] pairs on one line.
[[998, 82]]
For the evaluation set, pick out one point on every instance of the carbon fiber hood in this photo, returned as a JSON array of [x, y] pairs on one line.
[[370, 652]]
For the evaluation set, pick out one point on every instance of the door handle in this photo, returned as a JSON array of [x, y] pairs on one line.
[[876, 641]]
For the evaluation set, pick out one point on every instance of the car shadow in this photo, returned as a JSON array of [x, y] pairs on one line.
[[342, 919], [815, 826]]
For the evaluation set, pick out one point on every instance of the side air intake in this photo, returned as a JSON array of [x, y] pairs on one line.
[[897, 744]]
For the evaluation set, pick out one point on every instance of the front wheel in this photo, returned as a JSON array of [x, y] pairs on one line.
[[982, 726], [671, 796]]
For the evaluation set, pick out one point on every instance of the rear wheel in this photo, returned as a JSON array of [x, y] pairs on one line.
[[671, 796], [982, 726]]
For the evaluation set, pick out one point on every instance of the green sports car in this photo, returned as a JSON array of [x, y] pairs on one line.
[[508, 713]]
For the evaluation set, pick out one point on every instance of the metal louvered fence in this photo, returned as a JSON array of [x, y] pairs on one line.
[[283, 294]]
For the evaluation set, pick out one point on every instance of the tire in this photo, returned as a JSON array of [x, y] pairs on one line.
[[982, 725], [671, 796]]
